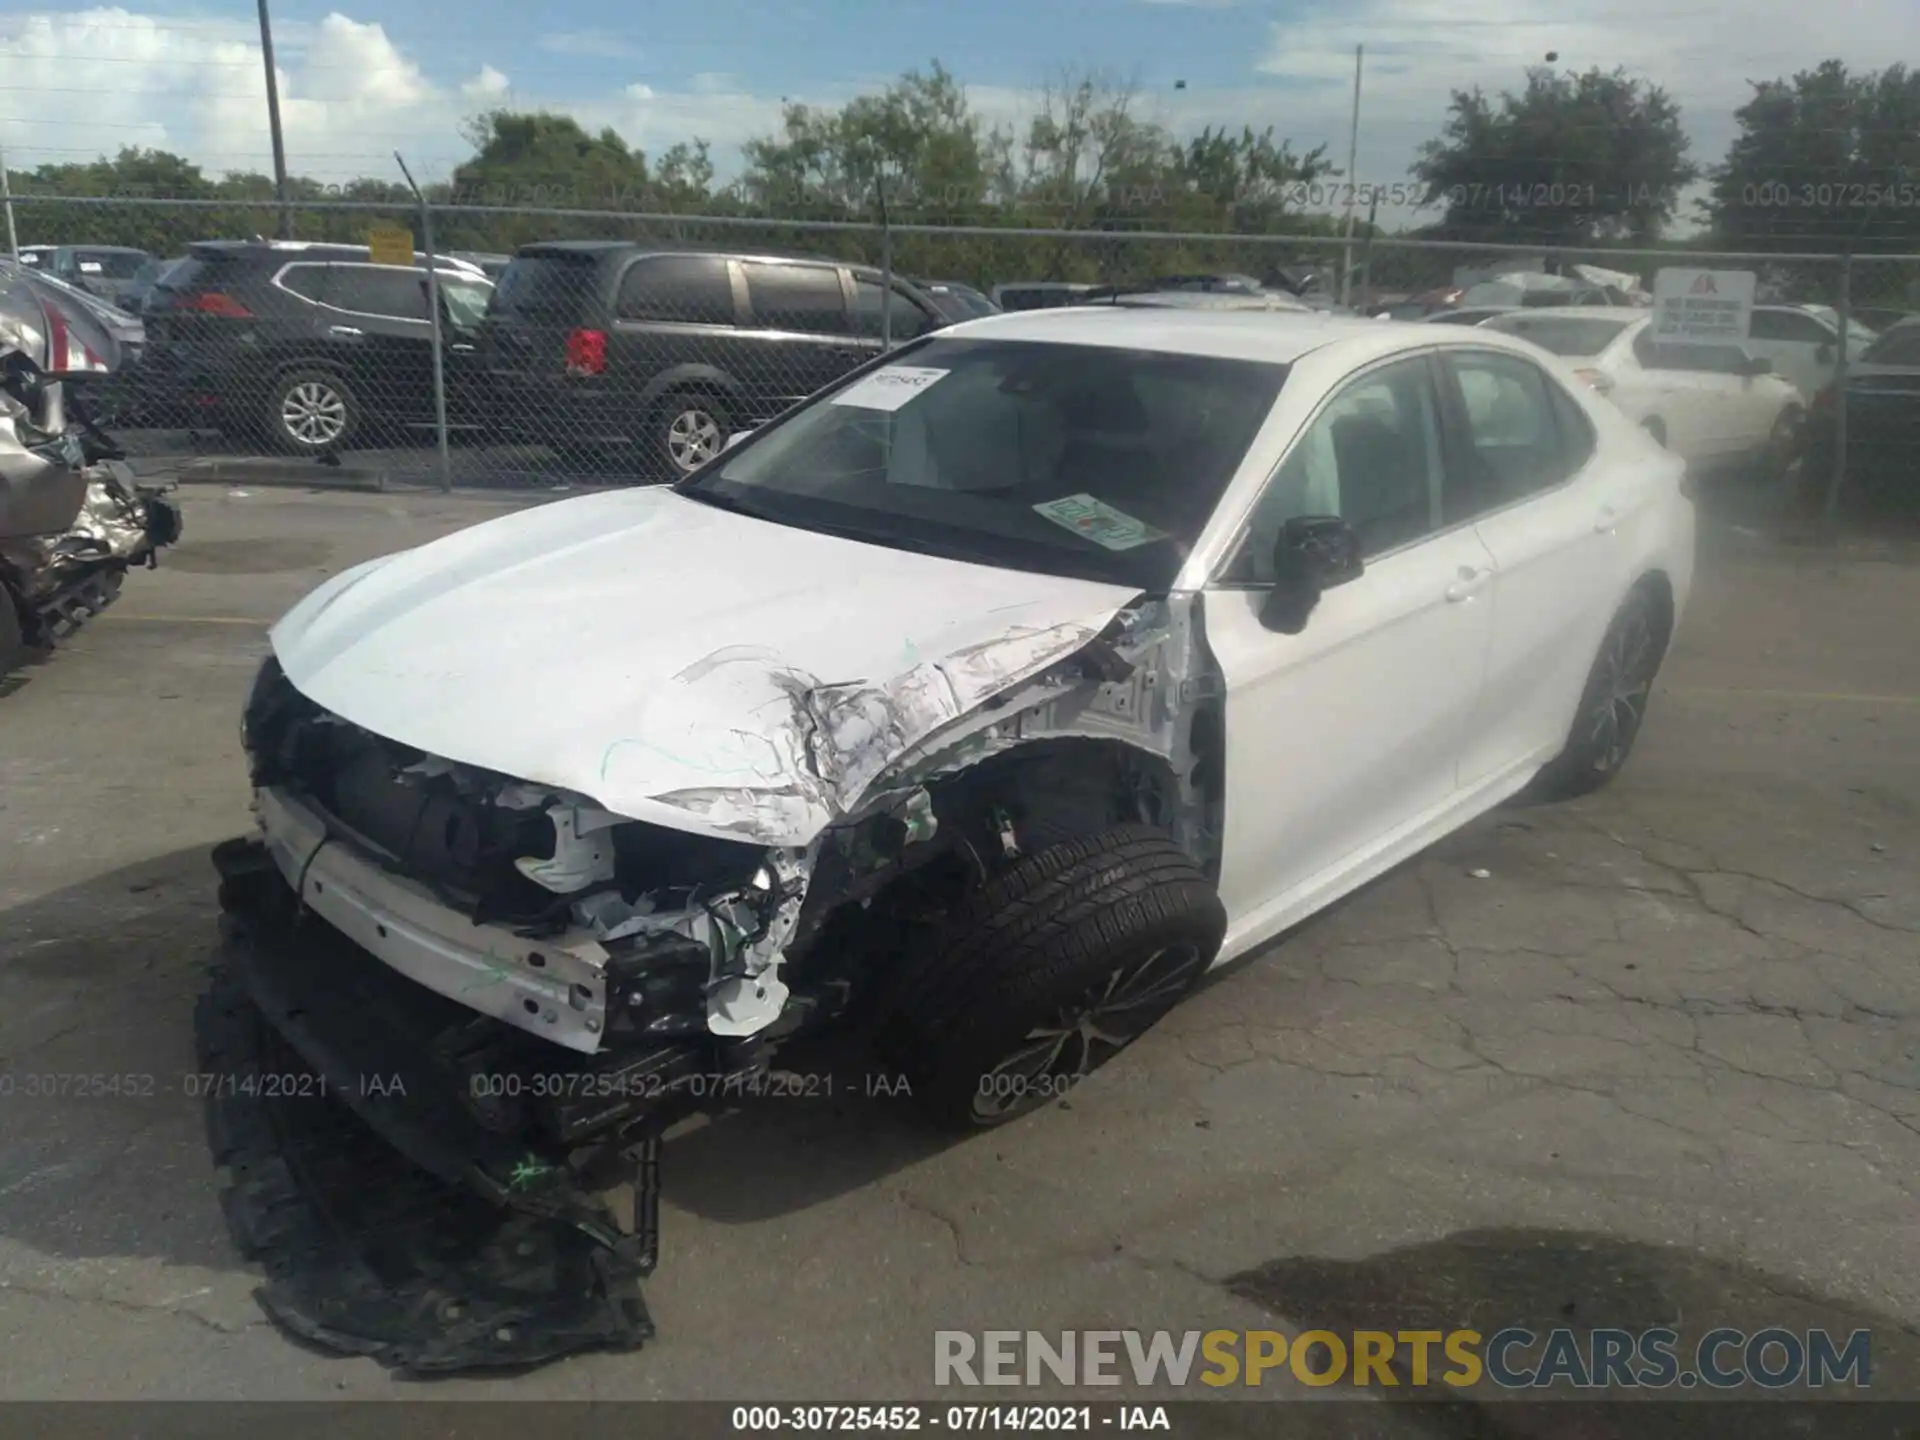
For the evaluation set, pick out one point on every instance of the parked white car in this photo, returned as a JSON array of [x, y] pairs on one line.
[[1803, 342], [1718, 407], [994, 694]]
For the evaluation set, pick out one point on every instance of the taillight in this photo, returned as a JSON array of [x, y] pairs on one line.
[[65, 353], [587, 352], [213, 302], [1598, 379]]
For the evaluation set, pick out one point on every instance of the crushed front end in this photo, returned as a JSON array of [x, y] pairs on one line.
[[513, 989]]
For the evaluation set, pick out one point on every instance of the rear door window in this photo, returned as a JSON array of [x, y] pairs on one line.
[[382, 290], [685, 289], [797, 297], [1515, 443], [309, 282]]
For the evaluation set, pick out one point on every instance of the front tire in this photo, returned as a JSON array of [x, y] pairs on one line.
[[1613, 706], [311, 412], [1047, 971]]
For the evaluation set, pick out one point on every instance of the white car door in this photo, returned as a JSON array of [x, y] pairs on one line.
[[1547, 511], [1346, 736]]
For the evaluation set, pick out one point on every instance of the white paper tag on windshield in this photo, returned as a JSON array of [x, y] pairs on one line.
[[890, 388], [1099, 522]]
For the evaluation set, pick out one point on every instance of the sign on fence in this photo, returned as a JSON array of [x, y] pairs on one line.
[[1705, 305], [390, 245]]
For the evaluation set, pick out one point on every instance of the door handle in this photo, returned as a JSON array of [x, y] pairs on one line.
[[1471, 582], [1607, 521], [344, 330]]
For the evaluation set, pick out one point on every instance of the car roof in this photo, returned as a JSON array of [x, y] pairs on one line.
[[595, 249], [1269, 336], [1626, 314]]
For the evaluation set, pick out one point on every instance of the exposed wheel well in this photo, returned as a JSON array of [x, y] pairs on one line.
[[874, 887]]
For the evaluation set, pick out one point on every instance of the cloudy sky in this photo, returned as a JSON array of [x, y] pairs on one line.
[[358, 82]]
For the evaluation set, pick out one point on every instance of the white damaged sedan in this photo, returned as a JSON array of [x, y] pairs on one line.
[[988, 699]]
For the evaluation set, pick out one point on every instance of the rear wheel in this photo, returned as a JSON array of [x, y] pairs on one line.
[[1784, 444], [689, 430], [311, 412], [1614, 703]]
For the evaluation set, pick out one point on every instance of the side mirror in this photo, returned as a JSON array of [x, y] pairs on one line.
[[734, 439], [1313, 554], [1751, 365]]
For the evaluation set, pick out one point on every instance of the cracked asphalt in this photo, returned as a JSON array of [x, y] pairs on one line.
[[1651, 1057]]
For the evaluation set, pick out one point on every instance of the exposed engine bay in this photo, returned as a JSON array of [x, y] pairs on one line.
[[520, 990]]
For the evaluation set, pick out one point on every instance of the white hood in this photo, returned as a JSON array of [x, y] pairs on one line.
[[676, 663]]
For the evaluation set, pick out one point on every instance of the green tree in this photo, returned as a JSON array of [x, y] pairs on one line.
[[525, 161], [1825, 160], [1570, 160]]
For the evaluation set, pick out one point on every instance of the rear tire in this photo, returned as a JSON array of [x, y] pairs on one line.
[[1047, 971], [689, 429], [1613, 706], [311, 412], [1784, 444]]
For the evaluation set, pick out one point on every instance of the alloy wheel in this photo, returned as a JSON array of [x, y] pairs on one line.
[[314, 413], [693, 438], [1054, 1057], [1625, 683]]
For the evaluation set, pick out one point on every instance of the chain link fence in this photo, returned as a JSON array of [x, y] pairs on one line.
[[586, 364]]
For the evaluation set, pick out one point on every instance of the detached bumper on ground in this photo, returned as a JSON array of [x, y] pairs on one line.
[[397, 1213]]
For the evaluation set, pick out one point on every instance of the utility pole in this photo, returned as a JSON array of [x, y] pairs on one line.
[[1353, 159], [6, 201], [273, 124]]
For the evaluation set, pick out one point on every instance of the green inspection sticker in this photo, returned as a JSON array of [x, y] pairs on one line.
[[1099, 522]]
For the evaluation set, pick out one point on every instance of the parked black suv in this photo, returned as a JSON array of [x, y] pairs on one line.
[[308, 346], [646, 358]]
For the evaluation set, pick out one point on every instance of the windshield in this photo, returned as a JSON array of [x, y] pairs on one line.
[[1078, 460], [466, 300], [112, 264], [1562, 334], [957, 302]]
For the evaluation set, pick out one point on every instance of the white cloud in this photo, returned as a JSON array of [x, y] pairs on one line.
[[488, 87]]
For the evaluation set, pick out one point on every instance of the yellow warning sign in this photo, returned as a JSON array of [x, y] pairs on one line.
[[390, 245]]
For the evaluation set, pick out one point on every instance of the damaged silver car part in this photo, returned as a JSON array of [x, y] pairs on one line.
[[73, 517], [927, 730]]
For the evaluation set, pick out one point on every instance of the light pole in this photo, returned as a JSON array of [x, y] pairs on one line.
[[6, 201], [273, 124], [1353, 160]]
